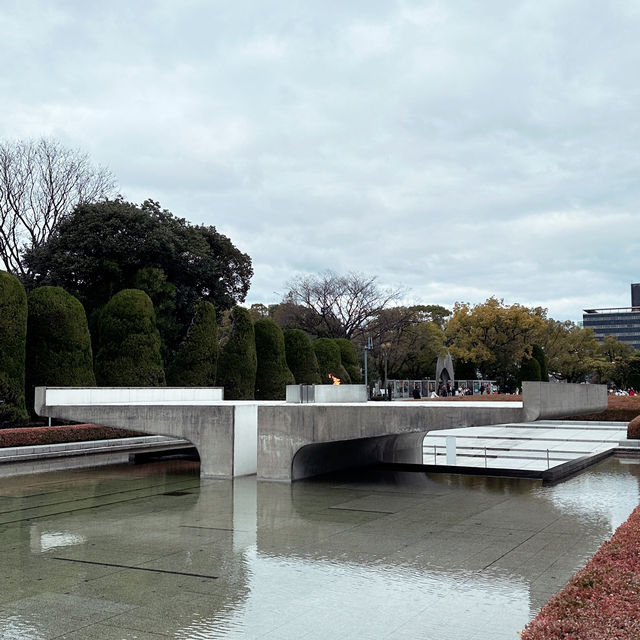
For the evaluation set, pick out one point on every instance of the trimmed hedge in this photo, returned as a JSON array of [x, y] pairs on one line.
[[349, 359], [272, 373], [540, 356], [301, 358], [633, 429], [58, 342], [13, 335], [529, 370], [129, 343], [237, 362], [196, 360], [29, 436], [328, 354]]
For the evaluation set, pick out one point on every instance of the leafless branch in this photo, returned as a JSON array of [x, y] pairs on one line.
[[42, 181]]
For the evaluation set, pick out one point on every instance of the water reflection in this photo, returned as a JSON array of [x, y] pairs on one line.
[[133, 551]]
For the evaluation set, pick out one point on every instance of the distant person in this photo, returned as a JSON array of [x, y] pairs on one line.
[[416, 393]]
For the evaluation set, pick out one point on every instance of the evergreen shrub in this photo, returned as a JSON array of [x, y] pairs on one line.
[[349, 359], [58, 342], [197, 356], [328, 355], [539, 355], [301, 358], [237, 362], [529, 370], [128, 342], [13, 332], [272, 373]]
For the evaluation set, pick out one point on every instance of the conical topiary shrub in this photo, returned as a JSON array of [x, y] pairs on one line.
[[196, 360], [328, 354], [13, 332], [529, 370], [349, 359], [128, 342], [272, 373], [301, 358], [540, 356], [237, 362], [58, 342]]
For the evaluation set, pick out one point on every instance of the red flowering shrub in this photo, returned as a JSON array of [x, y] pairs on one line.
[[602, 601], [30, 436], [633, 429]]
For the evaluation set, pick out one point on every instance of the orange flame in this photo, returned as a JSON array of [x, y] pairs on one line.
[[335, 380]]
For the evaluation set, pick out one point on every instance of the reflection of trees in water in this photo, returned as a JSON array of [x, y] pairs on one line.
[[155, 516]]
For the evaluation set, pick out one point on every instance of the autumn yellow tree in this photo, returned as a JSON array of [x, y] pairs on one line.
[[495, 337]]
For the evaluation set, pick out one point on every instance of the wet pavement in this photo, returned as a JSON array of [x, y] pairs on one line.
[[153, 551]]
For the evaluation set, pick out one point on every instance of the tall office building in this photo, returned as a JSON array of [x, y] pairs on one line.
[[620, 322]]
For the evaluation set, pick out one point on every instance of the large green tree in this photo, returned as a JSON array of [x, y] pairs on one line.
[[272, 373], [103, 248], [13, 332], [58, 342], [129, 343], [237, 362], [494, 336]]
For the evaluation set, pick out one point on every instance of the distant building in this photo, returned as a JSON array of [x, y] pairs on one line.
[[622, 323]]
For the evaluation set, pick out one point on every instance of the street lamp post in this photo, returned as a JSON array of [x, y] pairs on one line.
[[385, 346], [367, 347]]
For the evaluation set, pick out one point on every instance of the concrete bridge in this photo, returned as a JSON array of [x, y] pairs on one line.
[[292, 440]]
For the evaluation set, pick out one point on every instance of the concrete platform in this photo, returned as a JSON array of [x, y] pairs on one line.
[[547, 448]]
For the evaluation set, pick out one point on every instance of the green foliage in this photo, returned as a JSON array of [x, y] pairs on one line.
[[163, 295], [529, 370], [328, 355], [129, 343], [272, 374], [58, 342], [237, 363], [495, 336], [463, 370], [539, 355], [301, 357], [103, 248], [197, 357], [349, 359], [13, 331]]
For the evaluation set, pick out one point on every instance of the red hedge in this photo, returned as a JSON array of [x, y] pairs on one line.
[[602, 601], [29, 436]]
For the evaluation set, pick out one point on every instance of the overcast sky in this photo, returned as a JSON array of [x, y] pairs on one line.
[[457, 149]]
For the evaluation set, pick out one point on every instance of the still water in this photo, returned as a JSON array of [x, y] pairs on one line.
[[153, 551]]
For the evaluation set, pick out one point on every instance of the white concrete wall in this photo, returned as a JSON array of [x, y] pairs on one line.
[[59, 396], [245, 439]]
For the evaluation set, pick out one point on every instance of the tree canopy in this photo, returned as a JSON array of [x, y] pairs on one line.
[[494, 336], [105, 247], [328, 305]]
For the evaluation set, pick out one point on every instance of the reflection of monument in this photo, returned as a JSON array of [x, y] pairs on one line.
[[444, 371]]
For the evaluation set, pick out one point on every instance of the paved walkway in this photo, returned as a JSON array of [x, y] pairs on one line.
[[531, 446]]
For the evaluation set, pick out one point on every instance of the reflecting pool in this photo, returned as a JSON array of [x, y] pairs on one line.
[[153, 551]]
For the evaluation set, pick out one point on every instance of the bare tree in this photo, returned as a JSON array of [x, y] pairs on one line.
[[334, 306], [42, 181]]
